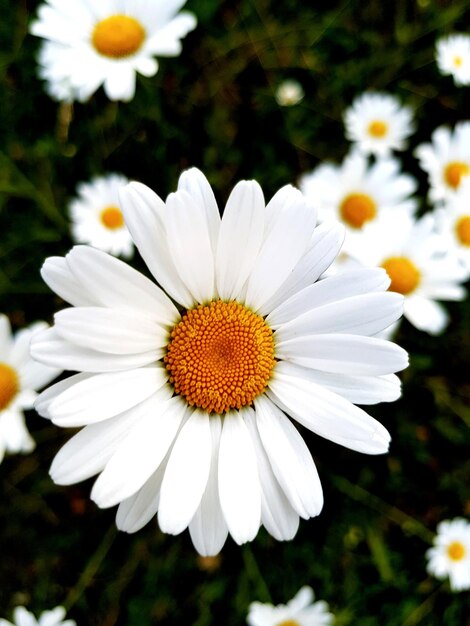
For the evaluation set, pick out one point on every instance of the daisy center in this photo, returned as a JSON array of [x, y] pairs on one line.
[[456, 551], [403, 273], [112, 217], [378, 129], [288, 622], [9, 385], [457, 61], [220, 356], [454, 172], [357, 209], [462, 229], [118, 36]]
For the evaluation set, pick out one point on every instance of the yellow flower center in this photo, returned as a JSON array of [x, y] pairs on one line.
[[357, 209], [462, 229], [456, 551], [457, 61], [220, 356], [403, 273], [454, 172], [289, 622], [118, 36], [9, 385], [378, 129], [112, 217]]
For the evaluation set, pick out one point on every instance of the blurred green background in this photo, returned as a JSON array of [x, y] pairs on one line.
[[214, 107]]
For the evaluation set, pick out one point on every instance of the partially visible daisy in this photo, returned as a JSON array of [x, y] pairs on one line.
[[357, 194], [300, 611], [453, 57], [58, 85], [453, 221], [22, 617], [450, 556], [97, 218], [378, 123], [289, 93], [20, 378], [107, 43], [185, 410], [418, 264], [446, 160]]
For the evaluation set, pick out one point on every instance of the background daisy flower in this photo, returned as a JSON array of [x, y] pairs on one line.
[[453, 222], [450, 556], [378, 123], [107, 43], [300, 611], [97, 218], [172, 398], [22, 617], [453, 57], [20, 378]]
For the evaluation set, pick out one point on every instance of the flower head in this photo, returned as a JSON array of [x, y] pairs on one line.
[[453, 57], [22, 617], [289, 93], [378, 123], [92, 44], [300, 611], [185, 390], [450, 556], [453, 220]]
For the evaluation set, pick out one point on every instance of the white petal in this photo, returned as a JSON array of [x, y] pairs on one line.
[[302, 599], [119, 83], [425, 314], [22, 617], [45, 398], [58, 276], [5, 336]]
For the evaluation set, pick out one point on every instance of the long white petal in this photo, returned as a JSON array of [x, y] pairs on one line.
[[43, 400], [57, 275]]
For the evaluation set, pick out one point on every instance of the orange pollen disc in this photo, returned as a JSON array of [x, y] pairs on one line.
[[378, 129], [9, 385], [462, 229], [288, 622], [457, 61], [112, 217], [357, 209], [118, 36], [454, 172], [220, 356], [403, 273], [456, 551]]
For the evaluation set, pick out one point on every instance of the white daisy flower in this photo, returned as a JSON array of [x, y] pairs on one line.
[[20, 378], [97, 218], [185, 406], [356, 193], [300, 611], [22, 617], [378, 123], [454, 222], [450, 556], [446, 160], [453, 57], [107, 43], [418, 264], [289, 93]]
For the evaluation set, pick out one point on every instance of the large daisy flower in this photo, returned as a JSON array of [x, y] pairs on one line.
[[357, 194], [454, 222], [106, 43], [97, 218], [450, 556], [453, 57], [22, 617], [20, 378], [300, 611], [378, 123], [446, 160], [421, 267], [186, 390]]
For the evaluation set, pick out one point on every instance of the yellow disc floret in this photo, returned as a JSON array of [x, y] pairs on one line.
[[288, 622], [456, 551], [377, 129], [454, 172], [118, 36], [220, 356], [357, 209], [403, 273], [112, 217], [462, 229], [9, 385]]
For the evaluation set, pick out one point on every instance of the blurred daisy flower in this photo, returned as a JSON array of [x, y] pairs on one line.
[[453, 221], [20, 378], [418, 264], [453, 57], [378, 123], [357, 194], [172, 398], [107, 43], [289, 93], [97, 218], [300, 611], [22, 617], [446, 160], [450, 556]]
